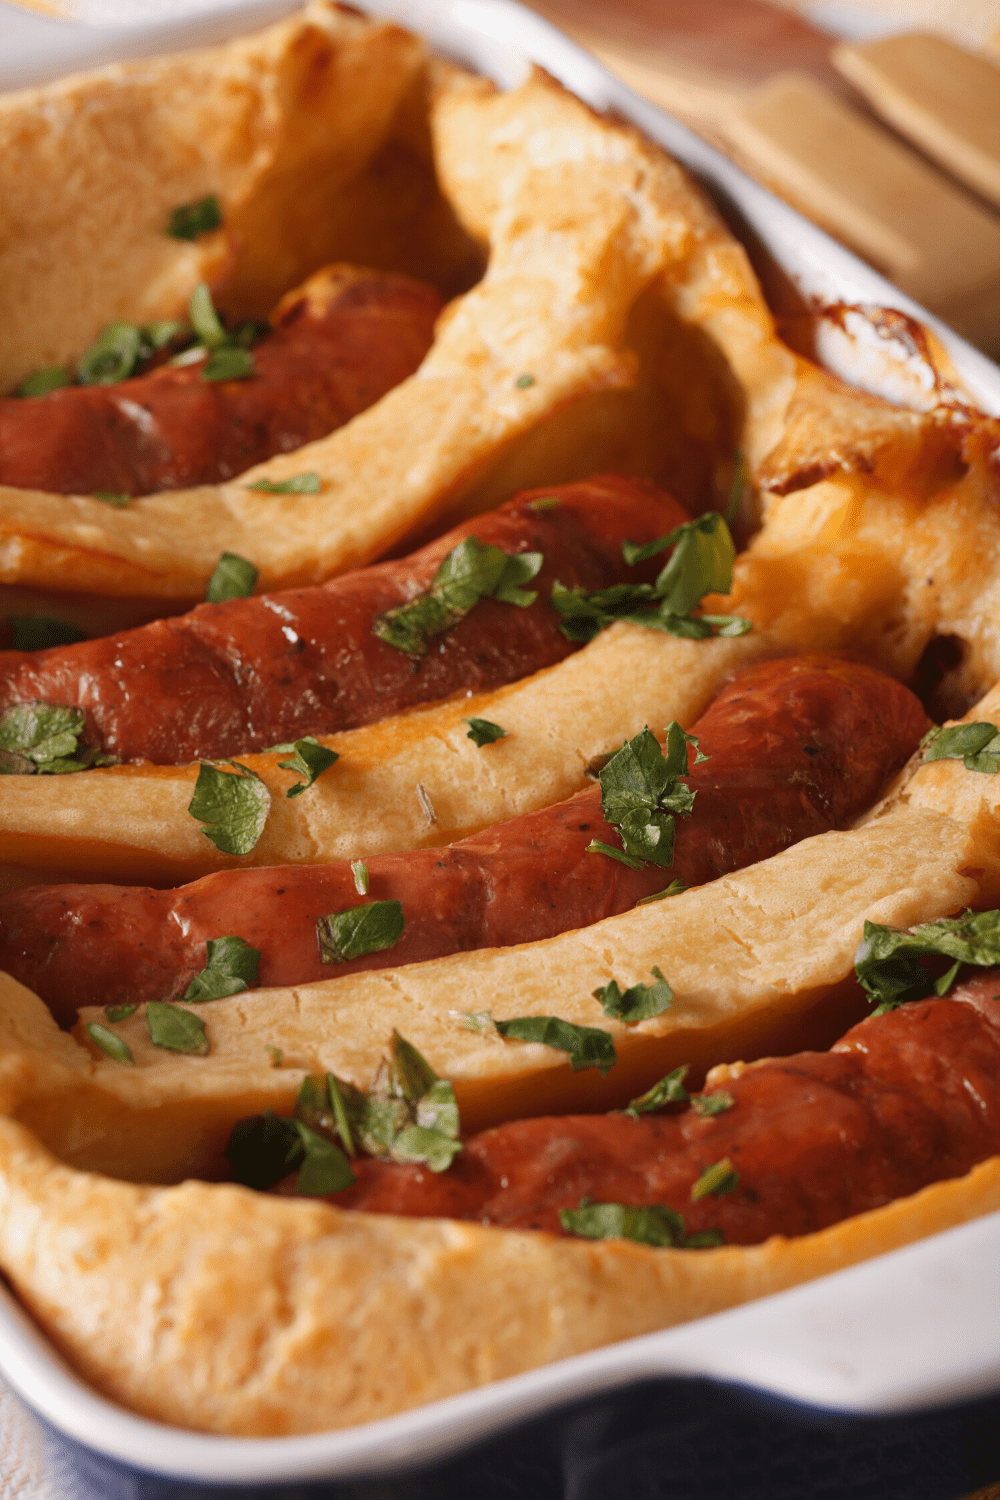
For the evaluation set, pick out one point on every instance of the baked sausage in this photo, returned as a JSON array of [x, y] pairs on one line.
[[903, 1100], [229, 678], [797, 746], [338, 343]]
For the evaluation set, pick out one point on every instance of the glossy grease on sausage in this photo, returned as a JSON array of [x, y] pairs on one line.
[[796, 746], [339, 342], [905, 1099], [250, 673]]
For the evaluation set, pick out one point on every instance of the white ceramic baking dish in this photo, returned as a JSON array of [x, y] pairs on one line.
[[916, 1331]]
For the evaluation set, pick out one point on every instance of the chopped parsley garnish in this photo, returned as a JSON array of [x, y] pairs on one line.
[[109, 1043], [410, 1115], [116, 1013], [360, 872], [640, 793], [344, 935], [656, 1224], [598, 846], [204, 319], [266, 1147], [189, 220], [41, 382], [310, 761], [888, 962], [701, 563], [484, 732], [230, 969], [38, 632], [675, 888], [112, 497], [638, 1003], [42, 739], [228, 364], [234, 805], [718, 1179], [669, 1090], [524, 382], [588, 1046], [471, 571], [112, 356], [176, 1029], [544, 503], [228, 353], [977, 746], [234, 578], [299, 484], [715, 1103]]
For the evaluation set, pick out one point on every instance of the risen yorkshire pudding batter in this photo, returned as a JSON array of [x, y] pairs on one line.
[[600, 321]]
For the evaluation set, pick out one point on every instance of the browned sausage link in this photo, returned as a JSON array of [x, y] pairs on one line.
[[797, 746], [250, 673], [339, 342], [905, 1099]]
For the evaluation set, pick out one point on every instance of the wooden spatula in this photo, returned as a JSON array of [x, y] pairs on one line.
[[944, 98]]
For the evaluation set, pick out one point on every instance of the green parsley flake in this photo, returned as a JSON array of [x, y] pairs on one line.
[[641, 791], [715, 1103], [675, 888], [638, 1003], [190, 220], [701, 563], [588, 1046], [544, 503], [111, 497], [344, 935], [42, 739], [41, 382], [113, 356], [977, 746], [234, 805], [360, 872], [656, 1224], [39, 632], [234, 578], [204, 319], [299, 484], [888, 962], [176, 1029], [109, 1043], [265, 1148], [230, 969], [484, 732], [311, 760], [598, 846], [116, 1013], [471, 571], [410, 1115], [228, 364], [524, 382], [718, 1179], [669, 1090], [324, 1168]]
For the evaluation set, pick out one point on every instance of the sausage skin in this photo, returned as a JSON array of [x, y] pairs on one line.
[[230, 678], [903, 1100], [338, 343], [797, 746]]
